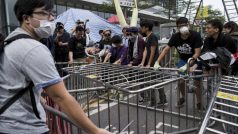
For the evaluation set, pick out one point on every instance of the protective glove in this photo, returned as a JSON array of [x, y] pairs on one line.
[[156, 66], [183, 69]]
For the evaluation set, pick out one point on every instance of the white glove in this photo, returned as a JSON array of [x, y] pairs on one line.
[[156, 66], [183, 69]]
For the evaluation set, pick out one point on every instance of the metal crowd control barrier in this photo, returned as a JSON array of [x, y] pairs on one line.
[[111, 95], [223, 110]]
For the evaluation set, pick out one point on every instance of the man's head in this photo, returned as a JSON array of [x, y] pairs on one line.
[[107, 34], [133, 32], [146, 26], [80, 23], [230, 27], [183, 27], [116, 40], [60, 27], [124, 30], [79, 31], [35, 16], [214, 28]]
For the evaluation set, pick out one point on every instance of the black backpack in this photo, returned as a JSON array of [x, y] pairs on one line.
[[223, 57], [10, 101]]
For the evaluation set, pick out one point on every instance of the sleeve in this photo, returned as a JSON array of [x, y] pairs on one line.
[[39, 67], [71, 44], [154, 41], [198, 41], [205, 46], [231, 45], [172, 40], [124, 54]]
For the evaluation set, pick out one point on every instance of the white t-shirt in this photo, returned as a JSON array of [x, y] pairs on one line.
[[25, 60]]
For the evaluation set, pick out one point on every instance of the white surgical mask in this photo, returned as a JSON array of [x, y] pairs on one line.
[[184, 30], [46, 29]]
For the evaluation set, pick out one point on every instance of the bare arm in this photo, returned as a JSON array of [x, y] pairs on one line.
[[107, 57], [144, 56], [164, 52], [71, 107], [70, 57], [197, 53]]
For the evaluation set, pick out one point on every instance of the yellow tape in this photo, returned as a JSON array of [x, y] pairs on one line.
[[228, 96], [92, 76]]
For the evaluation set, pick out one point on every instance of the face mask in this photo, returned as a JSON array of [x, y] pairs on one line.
[[184, 30], [46, 29]]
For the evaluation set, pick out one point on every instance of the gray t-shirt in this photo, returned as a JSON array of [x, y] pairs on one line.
[[25, 60]]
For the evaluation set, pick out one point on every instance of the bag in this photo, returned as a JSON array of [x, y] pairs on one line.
[[223, 57], [10, 101]]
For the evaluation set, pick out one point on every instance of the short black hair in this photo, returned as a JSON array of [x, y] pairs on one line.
[[231, 25], [181, 20], [100, 31], [79, 29], [116, 39], [26, 7], [147, 24], [216, 23]]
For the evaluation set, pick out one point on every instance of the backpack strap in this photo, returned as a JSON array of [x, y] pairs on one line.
[[19, 95], [23, 91], [8, 41]]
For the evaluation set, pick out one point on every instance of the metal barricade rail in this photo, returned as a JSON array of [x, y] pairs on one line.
[[110, 95], [223, 109]]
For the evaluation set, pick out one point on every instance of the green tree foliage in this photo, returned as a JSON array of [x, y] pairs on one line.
[[215, 14]]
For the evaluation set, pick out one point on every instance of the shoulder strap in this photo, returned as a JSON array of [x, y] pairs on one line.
[[19, 36], [19, 95], [23, 91]]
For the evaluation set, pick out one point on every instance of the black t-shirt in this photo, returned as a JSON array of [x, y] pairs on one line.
[[223, 40], [77, 46], [152, 40], [105, 43], [186, 48], [64, 38]]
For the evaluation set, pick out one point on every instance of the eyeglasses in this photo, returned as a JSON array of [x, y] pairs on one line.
[[45, 13], [107, 34]]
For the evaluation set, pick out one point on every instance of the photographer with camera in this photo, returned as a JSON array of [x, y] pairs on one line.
[[61, 39]]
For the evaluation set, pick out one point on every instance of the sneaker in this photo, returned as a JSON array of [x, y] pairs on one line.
[[180, 103], [141, 100], [162, 103]]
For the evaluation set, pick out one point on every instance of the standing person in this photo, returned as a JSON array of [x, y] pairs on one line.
[[136, 47], [61, 38], [188, 44], [118, 52], [231, 28], [125, 39], [77, 45], [150, 56], [27, 60]]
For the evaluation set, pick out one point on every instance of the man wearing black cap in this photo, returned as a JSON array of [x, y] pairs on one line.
[[61, 38], [136, 47]]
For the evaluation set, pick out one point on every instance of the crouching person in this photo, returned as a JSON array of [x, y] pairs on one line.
[[117, 53]]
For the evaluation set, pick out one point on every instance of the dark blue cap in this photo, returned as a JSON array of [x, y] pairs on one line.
[[133, 30]]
